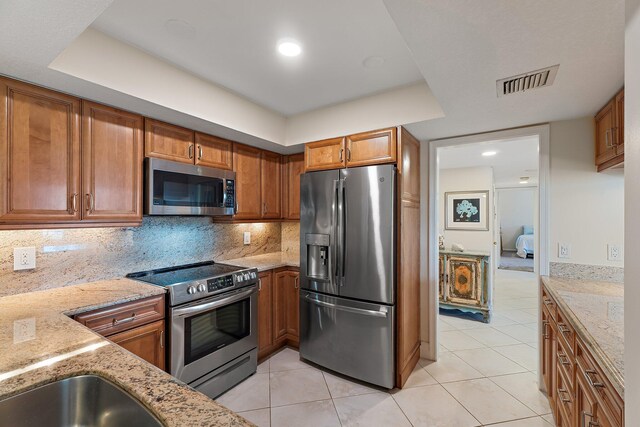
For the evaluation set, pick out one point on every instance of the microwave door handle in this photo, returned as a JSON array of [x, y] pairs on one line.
[[200, 308]]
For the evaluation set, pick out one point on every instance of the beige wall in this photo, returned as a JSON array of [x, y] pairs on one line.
[[516, 208], [587, 208]]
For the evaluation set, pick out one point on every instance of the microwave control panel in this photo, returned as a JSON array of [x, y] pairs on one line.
[[229, 201]]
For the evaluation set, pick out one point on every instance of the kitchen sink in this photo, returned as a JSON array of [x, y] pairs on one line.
[[81, 401]]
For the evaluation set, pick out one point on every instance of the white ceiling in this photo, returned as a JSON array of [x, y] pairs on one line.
[[233, 44], [514, 158], [463, 46]]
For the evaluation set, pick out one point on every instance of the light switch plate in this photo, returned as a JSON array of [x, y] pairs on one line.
[[247, 237], [564, 250], [24, 258]]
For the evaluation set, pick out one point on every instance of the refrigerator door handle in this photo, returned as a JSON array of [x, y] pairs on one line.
[[334, 229], [340, 231], [343, 229], [377, 313]]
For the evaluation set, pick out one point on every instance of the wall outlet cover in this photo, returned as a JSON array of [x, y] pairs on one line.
[[564, 250], [614, 252], [247, 237], [24, 258]]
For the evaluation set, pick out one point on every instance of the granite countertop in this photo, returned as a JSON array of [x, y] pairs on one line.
[[596, 309], [61, 347], [268, 261]]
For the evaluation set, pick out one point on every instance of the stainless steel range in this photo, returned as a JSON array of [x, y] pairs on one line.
[[212, 317]]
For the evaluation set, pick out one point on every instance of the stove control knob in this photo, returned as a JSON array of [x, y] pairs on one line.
[[253, 274], [246, 276], [202, 287], [240, 278], [191, 290]]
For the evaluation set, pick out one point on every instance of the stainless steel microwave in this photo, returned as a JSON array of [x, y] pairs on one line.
[[174, 188]]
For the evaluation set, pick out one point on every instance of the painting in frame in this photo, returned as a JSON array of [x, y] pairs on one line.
[[467, 210]]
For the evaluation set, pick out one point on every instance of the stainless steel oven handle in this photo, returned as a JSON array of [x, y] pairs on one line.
[[377, 313], [200, 308]]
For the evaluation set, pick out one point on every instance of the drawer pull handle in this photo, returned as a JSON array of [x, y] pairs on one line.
[[563, 328], [564, 360], [545, 333], [590, 380], [125, 320], [560, 392], [547, 301], [584, 420]]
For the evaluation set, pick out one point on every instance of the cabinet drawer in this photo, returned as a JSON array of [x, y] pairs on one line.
[[606, 396], [565, 331], [564, 397], [565, 362], [110, 320], [548, 302]]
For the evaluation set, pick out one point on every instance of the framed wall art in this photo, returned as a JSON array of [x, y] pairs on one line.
[[467, 210]]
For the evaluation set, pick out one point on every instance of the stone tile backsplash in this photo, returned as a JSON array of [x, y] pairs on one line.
[[291, 237], [71, 256]]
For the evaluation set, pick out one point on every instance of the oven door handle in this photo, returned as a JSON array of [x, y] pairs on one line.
[[200, 308]]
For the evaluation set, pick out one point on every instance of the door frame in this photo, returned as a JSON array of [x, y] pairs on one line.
[[429, 220]]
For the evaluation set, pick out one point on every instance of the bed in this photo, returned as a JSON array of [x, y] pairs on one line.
[[525, 242]]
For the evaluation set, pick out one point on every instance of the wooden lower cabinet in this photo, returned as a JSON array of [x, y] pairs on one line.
[[146, 342], [137, 326], [278, 310], [579, 393]]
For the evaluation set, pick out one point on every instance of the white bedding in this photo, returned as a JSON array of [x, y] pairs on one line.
[[524, 245]]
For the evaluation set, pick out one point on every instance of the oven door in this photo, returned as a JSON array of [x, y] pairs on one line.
[[180, 189], [209, 333]]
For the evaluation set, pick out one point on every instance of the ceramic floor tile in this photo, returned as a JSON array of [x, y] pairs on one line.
[[260, 417], [297, 386], [526, 422], [491, 337], [522, 354], [444, 327], [449, 368], [263, 368], [458, 340], [524, 387], [519, 316], [343, 387], [286, 360], [549, 418], [433, 406], [370, 410], [522, 333], [317, 414], [462, 323], [252, 393], [487, 402], [488, 362], [498, 320], [419, 377]]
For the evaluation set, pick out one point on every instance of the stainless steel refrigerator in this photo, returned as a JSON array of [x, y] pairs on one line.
[[348, 271]]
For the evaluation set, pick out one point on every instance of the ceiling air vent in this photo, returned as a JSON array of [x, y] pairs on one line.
[[527, 81]]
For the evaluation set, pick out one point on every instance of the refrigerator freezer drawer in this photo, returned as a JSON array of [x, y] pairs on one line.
[[350, 337]]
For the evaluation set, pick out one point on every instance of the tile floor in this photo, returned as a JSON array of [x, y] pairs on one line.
[[485, 375]]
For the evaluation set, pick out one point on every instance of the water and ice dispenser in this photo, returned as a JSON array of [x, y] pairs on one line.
[[317, 256]]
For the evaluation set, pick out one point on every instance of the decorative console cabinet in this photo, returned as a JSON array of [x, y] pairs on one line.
[[465, 282]]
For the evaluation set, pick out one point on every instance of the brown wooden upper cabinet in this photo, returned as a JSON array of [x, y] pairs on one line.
[[362, 149], [371, 148], [294, 167], [213, 152], [609, 124], [39, 155], [169, 142], [112, 153], [246, 164], [271, 182], [327, 154]]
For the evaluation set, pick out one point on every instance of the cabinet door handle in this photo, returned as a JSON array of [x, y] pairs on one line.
[[90, 202], [161, 339], [547, 301], [545, 333], [560, 392], [264, 208], [295, 286], [74, 203], [341, 150], [191, 151], [564, 360], [259, 285], [563, 328], [199, 152], [583, 422], [348, 154], [587, 374]]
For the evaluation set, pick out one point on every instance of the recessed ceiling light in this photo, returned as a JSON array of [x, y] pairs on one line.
[[524, 182], [289, 48], [489, 153]]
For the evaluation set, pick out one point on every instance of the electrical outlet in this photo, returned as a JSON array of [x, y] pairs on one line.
[[614, 252], [247, 237], [24, 330], [564, 250], [24, 258]]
